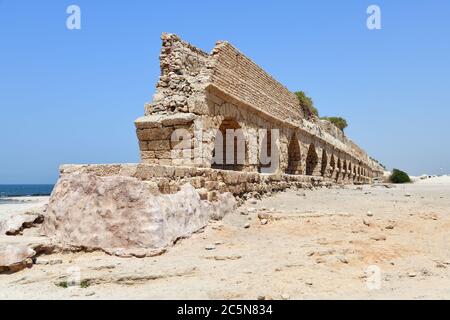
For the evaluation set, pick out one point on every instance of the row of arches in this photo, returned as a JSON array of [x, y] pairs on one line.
[[329, 164]]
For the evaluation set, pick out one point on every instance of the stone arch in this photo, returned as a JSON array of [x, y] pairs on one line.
[[350, 169], [339, 167], [294, 157], [311, 160], [324, 166], [344, 169], [236, 159], [332, 166], [332, 163]]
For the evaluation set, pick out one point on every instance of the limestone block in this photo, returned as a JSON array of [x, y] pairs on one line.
[[150, 161], [177, 119], [165, 162], [154, 133], [121, 212], [143, 145], [147, 155], [147, 122], [159, 145], [166, 154]]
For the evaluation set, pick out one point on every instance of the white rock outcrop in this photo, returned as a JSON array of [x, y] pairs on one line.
[[15, 223], [117, 213], [15, 257]]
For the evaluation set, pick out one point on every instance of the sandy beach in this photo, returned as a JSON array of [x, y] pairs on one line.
[[369, 242], [17, 204]]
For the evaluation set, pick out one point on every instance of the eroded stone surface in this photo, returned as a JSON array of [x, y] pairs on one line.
[[121, 212], [15, 256], [15, 223]]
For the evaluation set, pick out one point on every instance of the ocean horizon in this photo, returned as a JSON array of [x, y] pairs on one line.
[[25, 190]]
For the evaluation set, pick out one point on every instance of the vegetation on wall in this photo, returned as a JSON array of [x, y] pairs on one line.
[[339, 122], [306, 103], [309, 109], [399, 176]]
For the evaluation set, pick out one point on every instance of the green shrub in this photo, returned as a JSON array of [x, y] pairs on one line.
[[339, 122], [306, 103], [399, 176]]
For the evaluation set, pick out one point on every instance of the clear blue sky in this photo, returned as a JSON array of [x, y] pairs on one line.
[[72, 96]]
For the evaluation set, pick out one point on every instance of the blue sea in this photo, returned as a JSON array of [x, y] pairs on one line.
[[23, 190]]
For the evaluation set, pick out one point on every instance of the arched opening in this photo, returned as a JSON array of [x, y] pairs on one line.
[[354, 173], [332, 165], [230, 149], [339, 167], [311, 160], [265, 154], [294, 157], [349, 169], [344, 169], [323, 169]]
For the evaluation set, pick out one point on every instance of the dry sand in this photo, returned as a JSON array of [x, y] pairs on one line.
[[16, 204], [317, 244]]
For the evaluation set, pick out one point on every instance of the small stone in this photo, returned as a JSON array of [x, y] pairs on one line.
[[320, 260], [366, 222], [247, 226], [244, 213], [412, 274], [90, 293], [342, 259], [309, 283], [253, 202], [41, 262], [55, 261], [251, 209], [264, 221], [260, 298], [210, 247], [379, 237], [218, 243], [369, 214], [390, 227], [218, 226]]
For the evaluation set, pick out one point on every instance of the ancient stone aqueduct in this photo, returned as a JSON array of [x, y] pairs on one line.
[[202, 94]]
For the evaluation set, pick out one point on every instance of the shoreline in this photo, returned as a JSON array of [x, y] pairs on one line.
[[11, 205]]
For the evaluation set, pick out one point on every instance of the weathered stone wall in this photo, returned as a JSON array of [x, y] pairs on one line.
[[238, 76], [209, 182], [198, 93]]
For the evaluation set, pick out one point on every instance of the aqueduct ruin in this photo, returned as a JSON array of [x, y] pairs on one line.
[[207, 108], [206, 102], [206, 94]]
